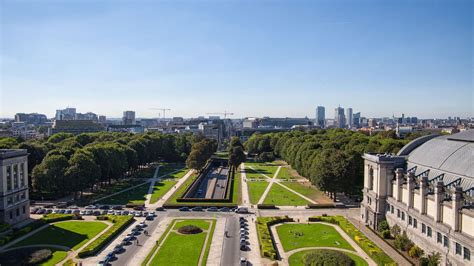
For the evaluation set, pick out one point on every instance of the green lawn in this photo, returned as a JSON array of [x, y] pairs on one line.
[[135, 196], [268, 169], [72, 234], [293, 236], [160, 189], [308, 191], [285, 173], [19, 256], [179, 174], [297, 259], [256, 189], [281, 196], [167, 168], [178, 249], [58, 255]]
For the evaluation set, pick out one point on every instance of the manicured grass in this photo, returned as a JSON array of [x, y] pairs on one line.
[[285, 173], [267, 169], [297, 259], [281, 196], [115, 187], [178, 249], [308, 191], [179, 192], [177, 175], [167, 168], [160, 189], [20, 256], [58, 255], [72, 234], [293, 236], [134, 196], [256, 189]]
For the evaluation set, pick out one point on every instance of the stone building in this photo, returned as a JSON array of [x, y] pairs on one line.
[[427, 189], [14, 198]]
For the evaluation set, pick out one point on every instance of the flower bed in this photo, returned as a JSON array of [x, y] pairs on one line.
[[368, 246], [265, 238]]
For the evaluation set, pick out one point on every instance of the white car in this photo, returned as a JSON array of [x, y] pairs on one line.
[[111, 212]]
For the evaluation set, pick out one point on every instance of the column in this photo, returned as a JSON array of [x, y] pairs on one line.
[[457, 205], [439, 197], [423, 193], [398, 183], [411, 188]]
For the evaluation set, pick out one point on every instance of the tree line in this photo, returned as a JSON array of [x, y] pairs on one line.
[[66, 163], [330, 159]]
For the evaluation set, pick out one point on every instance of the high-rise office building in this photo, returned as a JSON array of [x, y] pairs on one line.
[[356, 119], [66, 114], [320, 116], [349, 118], [339, 117], [128, 118]]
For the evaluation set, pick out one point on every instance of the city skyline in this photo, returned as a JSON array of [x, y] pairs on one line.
[[107, 58]]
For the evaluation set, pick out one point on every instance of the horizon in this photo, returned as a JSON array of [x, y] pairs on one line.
[[255, 59]]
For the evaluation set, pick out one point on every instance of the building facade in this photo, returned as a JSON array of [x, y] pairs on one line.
[[349, 118], [320, 116], [128, 118], [427, 189], [14, 198], [339, 117]]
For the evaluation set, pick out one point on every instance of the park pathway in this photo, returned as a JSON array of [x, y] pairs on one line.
[[170, 192], [152, 185], [272, 180], [245, 187]]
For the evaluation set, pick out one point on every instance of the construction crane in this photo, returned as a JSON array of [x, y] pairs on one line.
[[225, 113], [163, 110]]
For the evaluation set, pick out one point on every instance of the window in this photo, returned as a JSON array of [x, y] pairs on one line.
[[458, 249], [24, 210], [415, 223], [17, 212], [15, 176], [403, 216], [9, 178], [446, 241], [429, 231], [23, 195], [392, 209], [388, 207], [467, 253], [22, 174], [11, 214], [439, 237], [10, 201], [371, 178], [423, 228], [398, 213], [409, 220]]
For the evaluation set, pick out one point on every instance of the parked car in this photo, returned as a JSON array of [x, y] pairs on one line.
[[48, 211], [150, 217], [242, 210], [34, 210], [139, 208], [118, 248], [138, 214], [110, 256], [152, 213], [90, 207], [61, 211], [212, 209], [143, 224], [104, 207], [197, 209], [96, 213], [88, 212], [233, 210], [125, 213], [82, 212], [41, 211], [68, 211], [243, 261], [103, 263], [224, 209], [184, 209], [243, 247], [76, 211], [160, 209], [117, 207], [103, 212]]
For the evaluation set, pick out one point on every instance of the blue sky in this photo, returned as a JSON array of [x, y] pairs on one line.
[[254, 58]]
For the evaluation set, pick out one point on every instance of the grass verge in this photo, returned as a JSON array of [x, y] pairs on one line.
[[297, 259], [265, 238], [281, 196]]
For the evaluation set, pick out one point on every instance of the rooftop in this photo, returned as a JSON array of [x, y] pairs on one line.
[[9, 153]]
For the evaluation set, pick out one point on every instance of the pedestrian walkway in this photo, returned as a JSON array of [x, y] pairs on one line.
[[152, 185], [245, 188], [168, 194], [215, 252], [267, 190]]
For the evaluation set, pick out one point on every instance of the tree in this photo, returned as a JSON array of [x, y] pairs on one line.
[[433, 259], [82, 171], [331, 170], [236, 156], [200, 153], [49, 175]]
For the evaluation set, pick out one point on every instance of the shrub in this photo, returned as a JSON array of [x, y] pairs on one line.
[[266, 206], [189, 230], [432, 259], [395, 230], [266, 157], [415, 252], [119, 224], [383, 226], [39, 256], [265, 239], [402, 242], [4, 227], [327, 257], [386, 234]]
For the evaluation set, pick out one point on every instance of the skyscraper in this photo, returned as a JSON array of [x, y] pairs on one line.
[[339, 117], [320, 116], [128, 118], [349, 118], [356, 119]]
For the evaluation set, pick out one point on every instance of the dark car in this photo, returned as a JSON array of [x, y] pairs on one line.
[[184, 209], [139, 208], [34, 210], [160, 209], [104, 207], [197, 209], [212, 209], [243, 247], [96, 213], [118, 207], [224, 209]]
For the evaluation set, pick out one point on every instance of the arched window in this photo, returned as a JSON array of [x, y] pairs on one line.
[[371, 178]]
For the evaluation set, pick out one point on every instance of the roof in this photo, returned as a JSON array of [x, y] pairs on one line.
[[10, 153], [452, 155]]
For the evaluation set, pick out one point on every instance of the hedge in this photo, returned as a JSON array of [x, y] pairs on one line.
[[266, 206], [321, 206], [368, 246], [265, 238], [46, 219], [119, 224]]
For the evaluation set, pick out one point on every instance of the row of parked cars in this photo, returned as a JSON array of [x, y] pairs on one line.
[[244, 239], [214, 209], [147, 215], [120, 248]]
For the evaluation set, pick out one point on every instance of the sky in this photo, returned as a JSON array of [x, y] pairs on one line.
[[252, 58]]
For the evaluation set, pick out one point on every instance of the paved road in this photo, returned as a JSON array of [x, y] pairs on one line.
[[231, 242]]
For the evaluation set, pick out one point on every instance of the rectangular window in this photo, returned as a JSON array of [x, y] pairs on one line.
[[415, 223], [409, 220], [9, 178], [15, 176], [429, 231], [423, 228], [10, 201], [17, 212], [11, 214], [439, 238], [446, 241], [467, 253], [388, 207], [23, 195], [24, 210], [398, 213], [458, 249], [403, 216], [22, 174], [392, 209]]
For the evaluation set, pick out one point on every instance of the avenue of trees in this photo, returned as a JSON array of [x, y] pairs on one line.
[[201, 151], [331, 159], [65, 163], [236, 153]]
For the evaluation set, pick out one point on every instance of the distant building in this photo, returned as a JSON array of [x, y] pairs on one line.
[[66, 114], [14, 198], [31, 119], [86, 116], [349, 118], [76, 126], [128, 118], [126, 128], [427, 189], [320, 116], [251, 122], [21, 129], [339, 117], [357, 120], [102, 119], [402, 131]]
